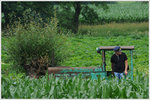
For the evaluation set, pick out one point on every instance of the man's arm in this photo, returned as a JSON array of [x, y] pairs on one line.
[[126, 67], [112, 66]]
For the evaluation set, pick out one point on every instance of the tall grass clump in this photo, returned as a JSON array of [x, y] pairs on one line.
[[113, 29], [35, 48]]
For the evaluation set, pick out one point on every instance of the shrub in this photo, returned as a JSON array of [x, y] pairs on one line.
[[35, 48]]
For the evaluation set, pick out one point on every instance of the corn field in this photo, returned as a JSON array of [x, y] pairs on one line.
[[123, 12], [76, 87]]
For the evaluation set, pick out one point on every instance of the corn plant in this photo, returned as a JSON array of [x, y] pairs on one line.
[[75, 87], [121, 12]]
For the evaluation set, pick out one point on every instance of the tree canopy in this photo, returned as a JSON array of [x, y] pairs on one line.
[[68, 13]]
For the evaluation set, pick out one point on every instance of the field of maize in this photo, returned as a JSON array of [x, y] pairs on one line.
[[123, 12], [75, 88]]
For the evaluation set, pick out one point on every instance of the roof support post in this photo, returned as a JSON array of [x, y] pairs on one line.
[[131, 52], [103, 59]]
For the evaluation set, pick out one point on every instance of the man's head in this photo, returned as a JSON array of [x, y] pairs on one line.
[[117, 50]]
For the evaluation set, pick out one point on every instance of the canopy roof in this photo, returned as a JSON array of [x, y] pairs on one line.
[[112, 47]]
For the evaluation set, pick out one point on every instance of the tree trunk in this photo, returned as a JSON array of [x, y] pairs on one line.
[[77, 7]]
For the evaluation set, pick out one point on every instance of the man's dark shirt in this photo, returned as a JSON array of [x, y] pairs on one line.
[[119, 62]]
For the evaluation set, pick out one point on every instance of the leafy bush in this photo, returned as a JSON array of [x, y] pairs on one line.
[[89, 15], [76, 88], [36, 48]]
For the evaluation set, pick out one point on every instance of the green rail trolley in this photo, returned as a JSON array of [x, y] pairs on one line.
[[93, 72]]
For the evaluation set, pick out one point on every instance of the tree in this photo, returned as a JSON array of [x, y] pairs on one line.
[[77, 7], [69, 15], [14, 10]]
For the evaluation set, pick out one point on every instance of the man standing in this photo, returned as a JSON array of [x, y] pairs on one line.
[[119, 63]]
